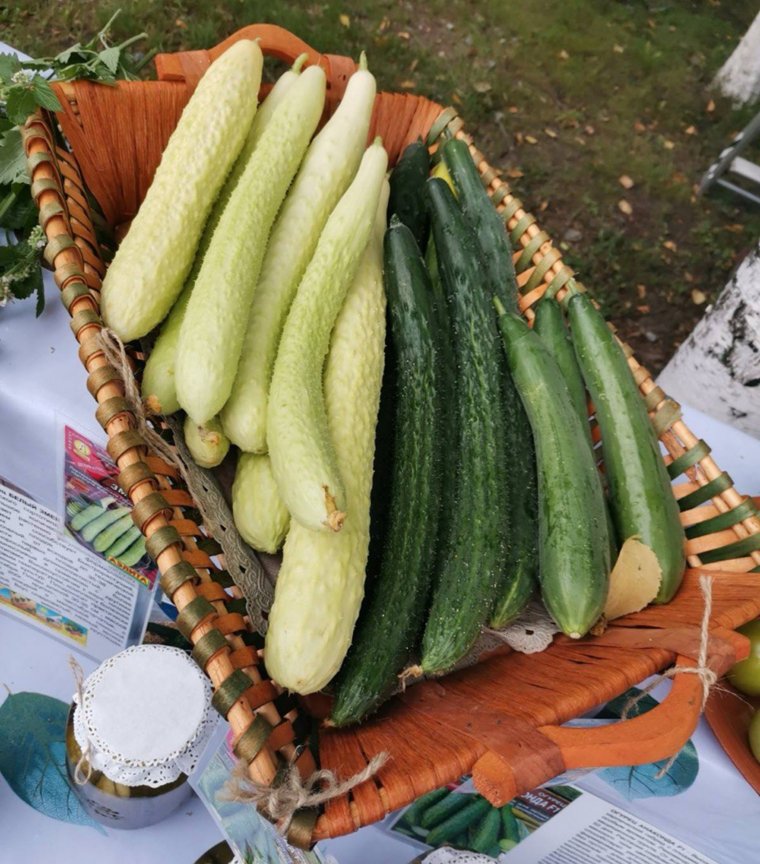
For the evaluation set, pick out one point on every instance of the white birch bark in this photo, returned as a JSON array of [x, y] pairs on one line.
[[739, 77]]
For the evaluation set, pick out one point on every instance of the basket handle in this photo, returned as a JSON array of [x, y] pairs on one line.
[[648, 737], [189, 66]]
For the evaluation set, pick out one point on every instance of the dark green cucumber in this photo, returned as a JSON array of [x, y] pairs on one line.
[[407, 198], [509, 828], [485, 835], [391, 622], [475, 543], [641, 497], [444, 809], [459, 822], [574, 554], [521, 568], [413, 814], [106, 518]]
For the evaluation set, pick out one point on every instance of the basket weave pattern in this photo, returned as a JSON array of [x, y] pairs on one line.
[[499, 720]]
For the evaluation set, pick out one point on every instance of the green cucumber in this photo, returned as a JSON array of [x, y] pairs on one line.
[[392, 615], [134, 554], [153, 260], [90, 512], [452, 827], [476, 541], [213, 329], [159, 391], [300, 444], [208, 445], [521, 569], [574, 552], [413, 813], [407, 199], [485, 835], [73, 507], [444, 809], [111, 534], [509, 827], [328, 168], [259, 513], [641, 496], [106, 518], [122, 543]]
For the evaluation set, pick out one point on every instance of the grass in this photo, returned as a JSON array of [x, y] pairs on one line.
[[564, 96]]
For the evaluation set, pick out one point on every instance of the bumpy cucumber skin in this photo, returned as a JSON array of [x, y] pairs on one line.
[[111, 534], [474, 810], [407, 199], [213, 329], [445, 809], [122, 543], [90, 512], [328, 167], [475, 546], [260, 515], [134, 553], [300, 444], [574, 555], [107, 518], [150, 266], [321, 581], [641, 496], [485, 835], [159, 390], [208, 445], [392, 616]]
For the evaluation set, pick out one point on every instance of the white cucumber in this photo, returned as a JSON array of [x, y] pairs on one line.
[[211, 335], [208, 445], [321, 581], [152, 262], [159, 391], [300, 444], [257, 508], [328, 167]]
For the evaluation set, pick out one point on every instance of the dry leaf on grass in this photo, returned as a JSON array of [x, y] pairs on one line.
[[634, 581], [625, 207], [344, 20], [625, 181]]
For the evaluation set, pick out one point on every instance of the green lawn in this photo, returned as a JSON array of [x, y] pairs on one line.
[[565, 96]]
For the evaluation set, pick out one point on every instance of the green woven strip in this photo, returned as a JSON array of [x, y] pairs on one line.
[[302, 827], [723, 520], [112, 408], [439, 124], [526, 256], [35, 159], [740, 549], [119, 443], [522, 226], [88, 348], [559, 281], [72, 292], [149, 507], [161, 539], [133, 474], [544, 265], [197, 610], [83, 319], [654, 397], [64, 272], [251, 742], [177, 575], [499, 194], [209, 644], [48, 211], [686, 460], [230, 690], [666, 416], [509, 211], [704, 493], [44, 184], [56, 245], [100, 377]]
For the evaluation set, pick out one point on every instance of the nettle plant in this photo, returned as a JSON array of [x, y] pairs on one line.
[[24, 88]]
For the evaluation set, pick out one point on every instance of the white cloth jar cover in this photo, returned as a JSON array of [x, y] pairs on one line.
[[145, 716]]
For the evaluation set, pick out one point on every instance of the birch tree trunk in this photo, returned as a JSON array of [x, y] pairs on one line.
[[739, 77], [717, 369]]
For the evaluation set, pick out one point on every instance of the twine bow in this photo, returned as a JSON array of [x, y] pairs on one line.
[[281, 800], [83, 768]]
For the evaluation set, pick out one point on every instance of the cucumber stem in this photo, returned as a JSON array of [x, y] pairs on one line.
[[499, 306], [298, 62], [335, 517], [363, 61]]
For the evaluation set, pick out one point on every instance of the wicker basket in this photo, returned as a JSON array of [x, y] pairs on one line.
[[500, 720]]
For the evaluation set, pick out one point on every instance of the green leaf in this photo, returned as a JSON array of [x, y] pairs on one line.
[[17, 208], [12, 159], [33, 756], [65, 56], [44, 94], [39, 306], [110, 57], [20, 104], [9, 64]]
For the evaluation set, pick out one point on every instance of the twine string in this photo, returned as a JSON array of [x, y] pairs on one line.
[[83, 768], [281, 800]]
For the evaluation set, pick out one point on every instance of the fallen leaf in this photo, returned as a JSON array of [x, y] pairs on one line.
[[513, 109], [698, 297], [690, 130], [402, 34], [580, 140], [710, 107], [481, 86], [688, 276], [344, 20], [589, 130], [518, 137], [625, 181], [563, 55], [514, 174], [735, 228], [641, 290], [634, 581], [668, 144], [543, 205], [531, 140], [550, 132], [645, 310], [384, 24], [455, 97], [639, 127], [179, 23], [625, 207], [670, 244], [618, 49], [651, 24], [410, 85], [413, 65], [679, 177]]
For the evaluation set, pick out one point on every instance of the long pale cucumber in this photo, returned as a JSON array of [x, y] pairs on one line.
[[212, 332], [328, 167], [208, 445], [159, 391], [111, 534], [260, 515], [108, 517], [300, 444], [321, 582], [152, 262]]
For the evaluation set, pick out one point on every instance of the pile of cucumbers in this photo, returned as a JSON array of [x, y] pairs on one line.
[[110, 532], [495, 493]]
